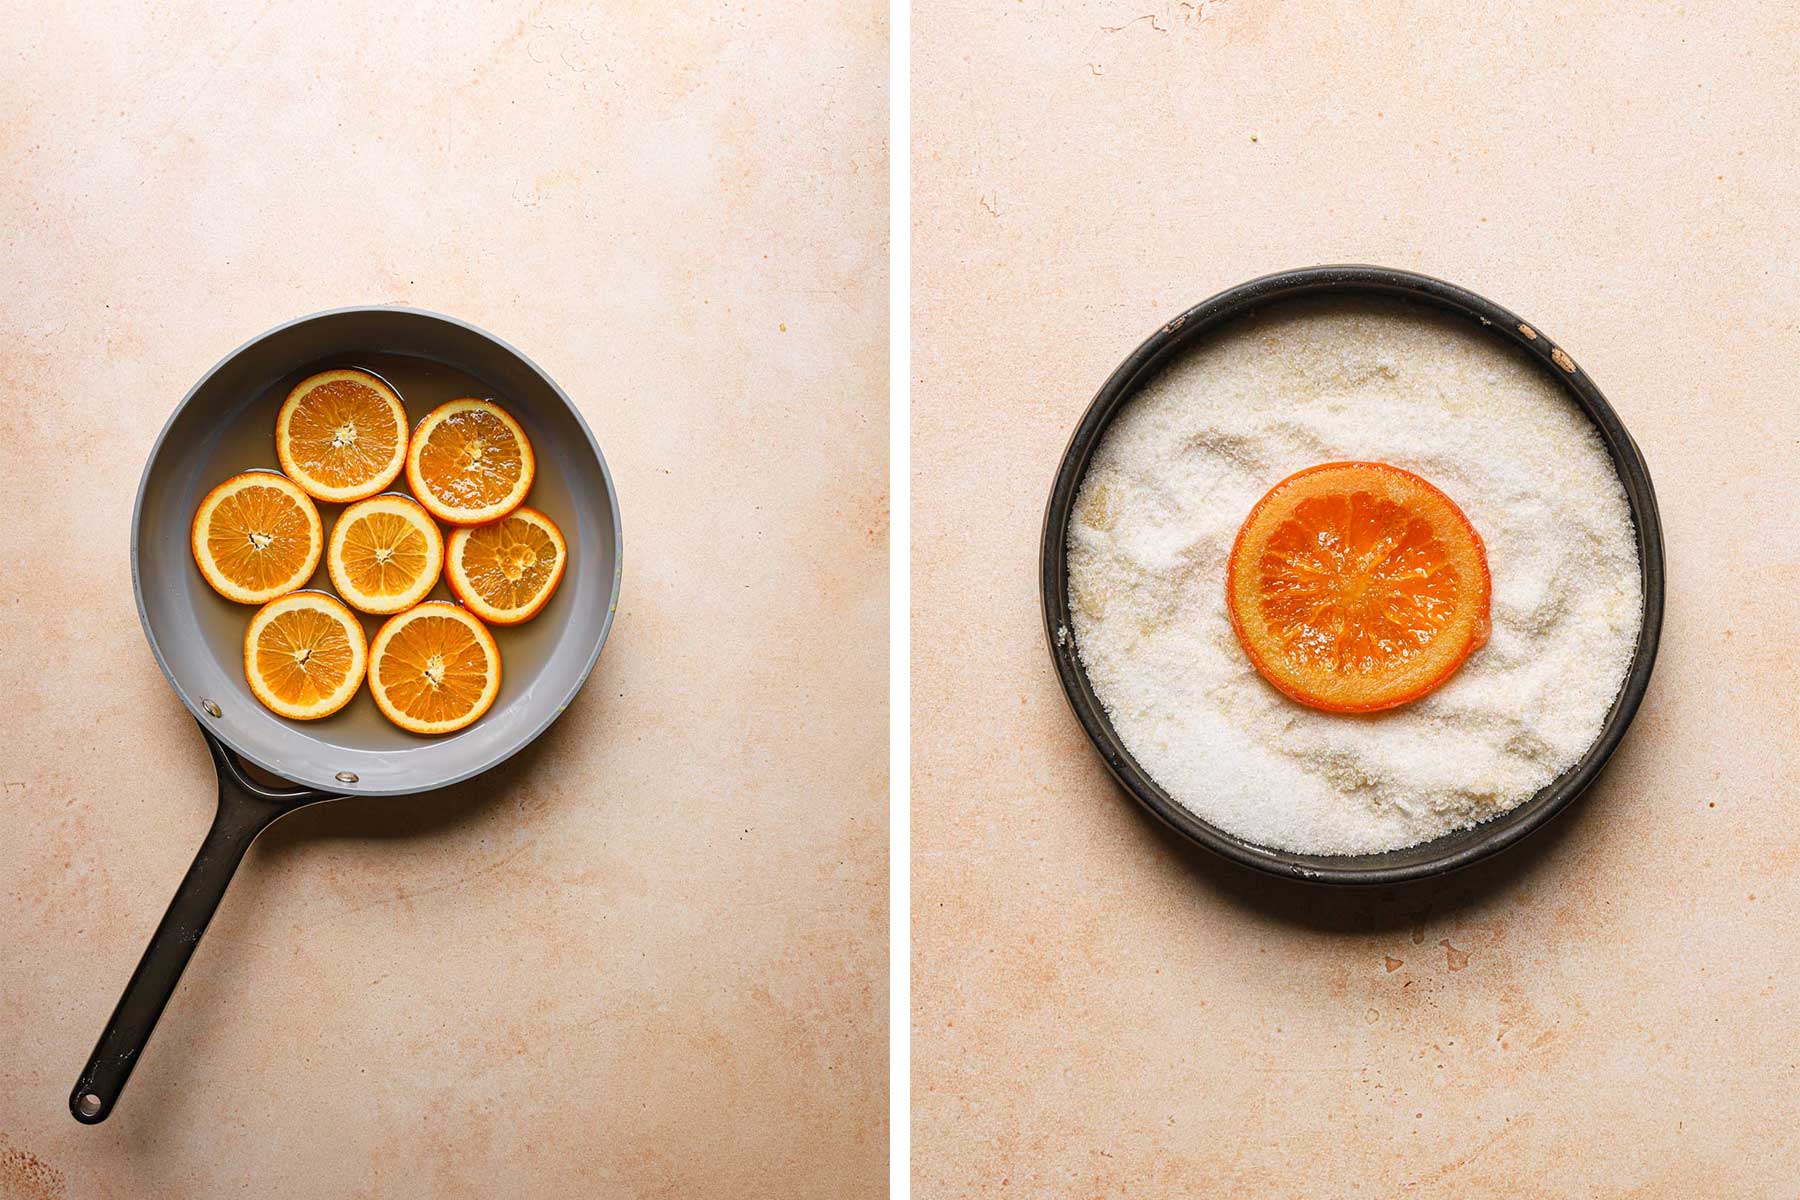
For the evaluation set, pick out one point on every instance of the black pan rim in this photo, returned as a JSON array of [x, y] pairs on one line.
[[1484, 840], [333, 785]]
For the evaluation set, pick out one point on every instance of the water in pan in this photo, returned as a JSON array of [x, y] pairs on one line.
[[248, 442]]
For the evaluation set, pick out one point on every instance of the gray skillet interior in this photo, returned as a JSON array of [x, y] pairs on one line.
[[190, 628]]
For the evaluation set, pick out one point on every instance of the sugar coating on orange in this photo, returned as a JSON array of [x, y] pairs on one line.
[[1357, 586]]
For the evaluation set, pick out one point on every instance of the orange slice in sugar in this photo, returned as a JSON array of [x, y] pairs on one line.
[[1357, 586]]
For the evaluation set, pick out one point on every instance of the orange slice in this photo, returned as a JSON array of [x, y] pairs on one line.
[[304, 655], [506, 571], [257, 536], [385, 554], [434, 668], [341, 435], [469, 462], [1357, 586]]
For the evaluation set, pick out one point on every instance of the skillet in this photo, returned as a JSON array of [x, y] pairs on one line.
[[224, 425]]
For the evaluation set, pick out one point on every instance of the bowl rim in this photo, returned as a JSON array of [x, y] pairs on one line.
[[1463, 847]]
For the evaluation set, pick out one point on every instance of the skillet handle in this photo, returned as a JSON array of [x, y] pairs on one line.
[[245, 809]]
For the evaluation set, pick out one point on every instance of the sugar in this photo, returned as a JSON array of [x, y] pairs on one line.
[[1308, 382]]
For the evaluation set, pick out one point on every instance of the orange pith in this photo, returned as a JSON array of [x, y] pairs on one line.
[[434, 668], [469, 462], [506, 571], [1356, 587], [256, 536], [304, 655], [341, 435], [385, 554]]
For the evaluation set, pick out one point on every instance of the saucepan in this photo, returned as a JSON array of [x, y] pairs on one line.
[[225, 425]]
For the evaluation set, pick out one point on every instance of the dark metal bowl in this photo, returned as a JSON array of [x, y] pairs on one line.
[[1453, 850]]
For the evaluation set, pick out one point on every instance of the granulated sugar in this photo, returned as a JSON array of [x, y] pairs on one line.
[[1306, 383]]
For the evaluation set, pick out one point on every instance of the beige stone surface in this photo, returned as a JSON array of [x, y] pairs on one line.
[[647, 958], [1608, 1011]]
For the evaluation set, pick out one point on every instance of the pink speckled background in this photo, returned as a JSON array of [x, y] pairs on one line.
[[646, 958], [1611, 1009]]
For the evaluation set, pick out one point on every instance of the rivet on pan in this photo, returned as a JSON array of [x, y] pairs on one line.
[[346, 776], [212, 710]]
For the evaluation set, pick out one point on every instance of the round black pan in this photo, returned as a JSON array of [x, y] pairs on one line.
[[1453, 850], [335, 758]]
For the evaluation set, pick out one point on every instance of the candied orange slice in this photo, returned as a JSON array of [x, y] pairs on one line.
[[304, 655], [257, 536], [341, 435], [434, 668], [506, 571], [385, 554], [1357, 586], [469, 462]]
